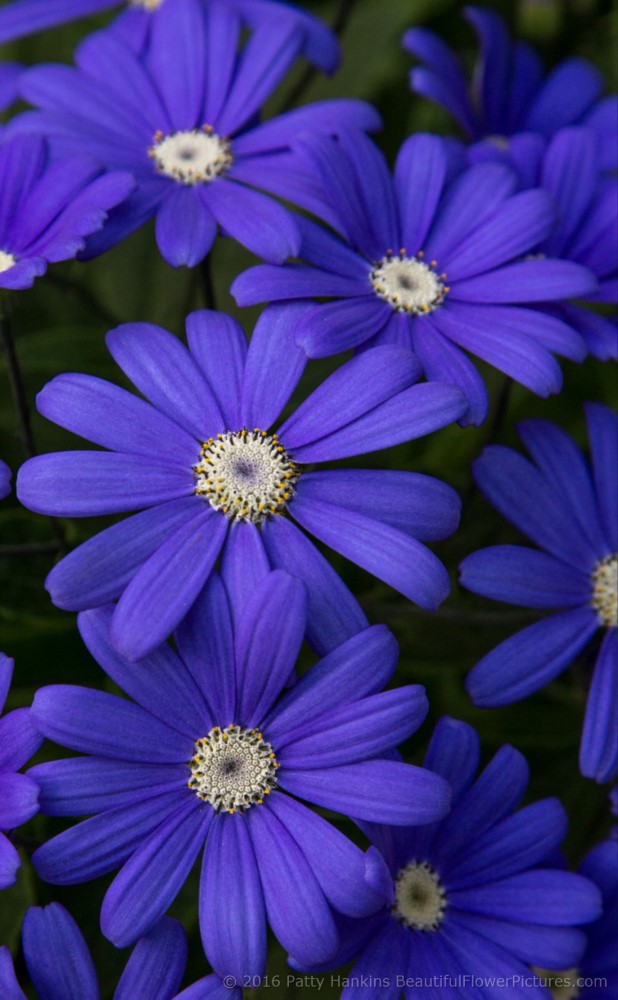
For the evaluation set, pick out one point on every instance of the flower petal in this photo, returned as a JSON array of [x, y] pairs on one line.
[[524, 576], [218, 344], [185, 228], [57, 956], [598, 757], [273, 367], [156, 965], [541, 896], [19, 800], [254, 219]]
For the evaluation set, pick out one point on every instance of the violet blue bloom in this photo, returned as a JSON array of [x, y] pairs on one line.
[[437, 271], [25, 17], [49, 209], [475, 895], [5, 480], [60, 966], [510, 96], [183, 119], [207, 472], [208, 756], [19, 795], [569, 508]]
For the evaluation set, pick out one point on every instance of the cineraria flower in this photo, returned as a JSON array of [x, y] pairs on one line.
[[50, 208], [182, 119], [5, 480], [510, 94], [475, 895], [207, 470], [60, 965], [207, 756], [25, 17], [569, 508], [437, 272], [18, 793]]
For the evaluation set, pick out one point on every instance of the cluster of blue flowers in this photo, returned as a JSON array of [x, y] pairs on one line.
[[216, 743]]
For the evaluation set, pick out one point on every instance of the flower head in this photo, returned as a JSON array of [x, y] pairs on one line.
[[435, 258], [212, 476], [568, 507], [25, 17], [19, 795], [210, 754], [181, 117], [54, 207], [510, 94], [476, 894]]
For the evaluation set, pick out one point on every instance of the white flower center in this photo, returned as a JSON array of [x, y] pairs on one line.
[[233, 769], [408, 284], [420, 900], [246, 475], [195, 156], [605, 591], [7, 261], [146, 4]]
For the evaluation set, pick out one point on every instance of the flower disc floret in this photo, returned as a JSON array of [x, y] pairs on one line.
[[7, 261], [146, 4], [408, 284], [420, 899], [605, 590], [233, 769], [246, 475], [192, 156]]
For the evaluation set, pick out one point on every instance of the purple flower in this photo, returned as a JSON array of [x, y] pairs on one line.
[[182, 119], [5, 480], [49, 208], [510, 94], [475, 895], [431, 261], [207, 756], [211, 478], [18, 793], [60, 965], [25, 17], [569, 508]]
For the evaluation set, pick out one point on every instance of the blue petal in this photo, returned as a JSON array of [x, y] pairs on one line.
[[57, 956], [206, 643], [19, 800], [598, 756], [10, 862], [232, 912], [244, 565], [531, 658], [524, 576], [528, 281], [333, 327], [470, 200], [444, 362], [177, 60], [333, 614], [273, 367], [8, 981], [185, 228], [550, 111], [218, 344], [254, 219], [421, 166], [454, 752], [79, 786], [603, 435], [541, 896], [19, 739], [157, 964]]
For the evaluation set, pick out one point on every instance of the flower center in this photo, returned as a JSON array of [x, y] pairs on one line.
[[408, 284], [146, 4], [247, 475], [7, 261], [233, 769], [420, 900], [605, 591], [195, 156]]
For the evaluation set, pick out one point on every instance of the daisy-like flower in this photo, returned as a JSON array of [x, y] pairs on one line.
[[510, 96], [208, 756], [182, 119], [5, 480], [25, 17], [435, 263], [59, 962], [569, 508], [212, 475], [19, 795], [49, 209], [475, 895]]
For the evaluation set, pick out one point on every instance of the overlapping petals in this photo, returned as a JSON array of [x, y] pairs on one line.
[[157, 561], [567, 506], [333, 734]]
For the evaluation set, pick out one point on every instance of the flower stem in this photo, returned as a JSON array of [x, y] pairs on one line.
[[208, 290]]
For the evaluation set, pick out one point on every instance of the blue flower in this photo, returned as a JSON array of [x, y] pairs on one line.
[[19, 795], [25, 17], [5, 480], [600, 960], [49, 208], [430, 261], [59, 962], [182, 119], [510, 94], [475, 895], [207, 756], [570, 510], [207, 472]]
